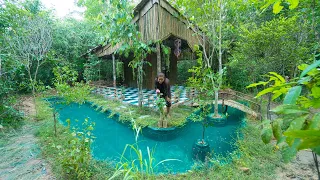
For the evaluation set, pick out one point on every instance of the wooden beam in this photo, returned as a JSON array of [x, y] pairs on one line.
[[114, 71]]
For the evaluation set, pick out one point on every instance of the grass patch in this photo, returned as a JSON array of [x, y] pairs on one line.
[[143, 116], [44, 112], [52, 147]]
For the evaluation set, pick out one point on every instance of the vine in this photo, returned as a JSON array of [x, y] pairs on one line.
[[120, 70], [166, 51]]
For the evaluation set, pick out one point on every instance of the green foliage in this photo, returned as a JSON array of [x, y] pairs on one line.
[[75, 157], [160, 103], [69, 152], [278, 86], [278, 5], [120, 70], [205, 81], [9, 115], [72, 39], [299, 123], [266, 133], [143, 169], [64, 75], [92, 69], [270, 47], [31, 42], [78, 93], [183, 74], [67, 88], [44, 112], [166, 52]]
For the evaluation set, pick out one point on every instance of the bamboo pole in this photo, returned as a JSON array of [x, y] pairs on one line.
[[114, 71], [158, 58]]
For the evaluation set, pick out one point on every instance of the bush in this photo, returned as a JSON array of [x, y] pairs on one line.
[[183, 67]]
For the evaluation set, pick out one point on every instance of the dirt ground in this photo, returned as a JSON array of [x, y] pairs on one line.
[[20, 153], [302, 167]]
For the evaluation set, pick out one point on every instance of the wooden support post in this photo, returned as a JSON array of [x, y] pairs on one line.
[[114, 71], [115, 94], [158, 58]]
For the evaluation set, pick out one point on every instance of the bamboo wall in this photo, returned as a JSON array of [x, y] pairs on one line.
[[171, 23], [157, 20], [148, 25]]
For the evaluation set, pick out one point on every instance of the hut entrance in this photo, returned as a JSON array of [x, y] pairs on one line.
[[179, 49]]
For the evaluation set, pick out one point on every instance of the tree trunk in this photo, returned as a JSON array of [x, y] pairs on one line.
[[216, 96], [315, 158], [140, 81], [220, 39], [269, 106], [55, 124], [203, 130], [114, 71]]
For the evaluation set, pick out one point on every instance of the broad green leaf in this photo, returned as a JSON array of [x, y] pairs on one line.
[[315, 103], [276, 129], [268, 4], [302, 66], [297, 123], [303, 134], [278, 76], [276, 95], [277, 7], [293, 4], [257, 84], [292, 95], [316, 150], [309, 143], [265, 91], [315, 92], [266, 133], [282, 140], [310, 68], [304, 80], [315, 122], [289, 109]]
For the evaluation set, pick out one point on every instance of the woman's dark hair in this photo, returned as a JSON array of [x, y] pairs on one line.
[[160, 74]]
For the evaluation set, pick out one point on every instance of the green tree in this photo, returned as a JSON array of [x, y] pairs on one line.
[[278, 45], [298, 124], [214, 22], [72, 39]]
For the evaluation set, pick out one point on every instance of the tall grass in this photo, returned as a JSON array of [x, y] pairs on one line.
[[139, 167]]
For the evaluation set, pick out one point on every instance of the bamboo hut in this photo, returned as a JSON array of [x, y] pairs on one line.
[[156, 20]]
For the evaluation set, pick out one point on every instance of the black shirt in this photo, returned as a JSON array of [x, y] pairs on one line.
[[164, 87]]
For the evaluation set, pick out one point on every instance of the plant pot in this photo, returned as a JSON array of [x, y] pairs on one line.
[[217, 121], [161, 134], [200, 150]]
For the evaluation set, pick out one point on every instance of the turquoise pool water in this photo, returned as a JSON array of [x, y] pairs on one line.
[[112, 137]]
